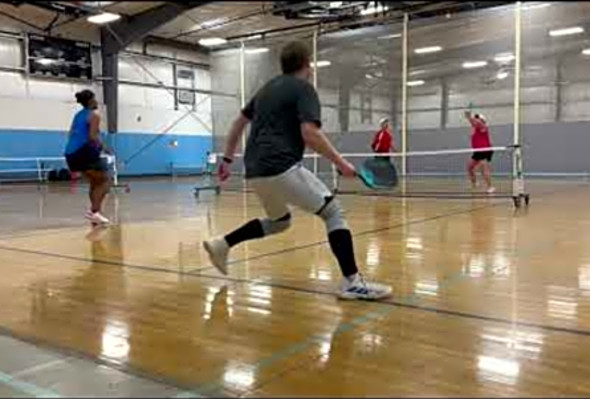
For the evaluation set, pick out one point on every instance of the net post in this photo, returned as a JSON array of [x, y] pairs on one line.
[[39, 171], [243, 93], [334, 177], [405, 94], [315, 58], [517, 164], [315, 164], [115, 171]]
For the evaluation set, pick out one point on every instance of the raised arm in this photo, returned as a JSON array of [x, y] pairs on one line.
[[473, 121]]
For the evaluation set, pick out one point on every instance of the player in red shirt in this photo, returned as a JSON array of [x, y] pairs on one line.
[[480, 138], [383, 140]]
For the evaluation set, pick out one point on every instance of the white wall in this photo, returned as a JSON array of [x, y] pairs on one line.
[[36, 103], [147, 109]]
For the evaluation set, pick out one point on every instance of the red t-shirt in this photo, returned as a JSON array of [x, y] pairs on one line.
[[382, 141], [480, 135]]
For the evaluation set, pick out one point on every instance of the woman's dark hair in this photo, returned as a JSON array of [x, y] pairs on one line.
[[83, 97], [294, 57]]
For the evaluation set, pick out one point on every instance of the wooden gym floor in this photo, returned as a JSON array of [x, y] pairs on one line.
[[487, 301]]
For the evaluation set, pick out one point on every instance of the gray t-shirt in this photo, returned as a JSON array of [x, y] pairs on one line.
[[277, 110]]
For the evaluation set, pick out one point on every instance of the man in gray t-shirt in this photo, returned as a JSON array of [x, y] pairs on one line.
[[277, 112], [285, 117]]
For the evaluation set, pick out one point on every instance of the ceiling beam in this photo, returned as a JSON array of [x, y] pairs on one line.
[[118, 35], [180, 45]]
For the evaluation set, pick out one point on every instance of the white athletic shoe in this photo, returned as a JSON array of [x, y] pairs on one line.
[[358, 288], [491, 190], [96, 218], [218, 251]]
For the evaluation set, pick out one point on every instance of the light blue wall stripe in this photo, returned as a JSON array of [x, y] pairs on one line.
[[156, 159]]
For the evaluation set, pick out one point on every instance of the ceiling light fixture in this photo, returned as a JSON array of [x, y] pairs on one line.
[[321, 64], [258, 50], [212, 41], [417, 72], [211, 24], [374, 10], [45, 61], [103, 18], [392, 36], [534, 6], [502, 75], [413, 83], [586, 51], [474, 64], [566, 31], [427, 50], [504, 57]]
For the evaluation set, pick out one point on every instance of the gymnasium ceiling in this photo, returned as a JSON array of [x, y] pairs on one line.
[[367, 45]]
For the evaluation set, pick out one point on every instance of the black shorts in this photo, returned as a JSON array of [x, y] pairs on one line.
[[86, 158], [383, 157], [482, 156]]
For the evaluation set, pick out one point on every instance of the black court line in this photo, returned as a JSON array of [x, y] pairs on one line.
[[447, 312], [361, 234], [126, 368], [196, 272], [475, 316], [467, 315]]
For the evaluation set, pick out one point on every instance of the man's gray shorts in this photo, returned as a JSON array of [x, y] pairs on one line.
[[297, 186]]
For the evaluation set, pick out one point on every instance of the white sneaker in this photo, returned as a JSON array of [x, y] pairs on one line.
[[218, 251], [96, 218], [358, 288], [491, 190]]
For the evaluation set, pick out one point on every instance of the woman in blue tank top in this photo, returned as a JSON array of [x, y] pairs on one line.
[[83, 154]]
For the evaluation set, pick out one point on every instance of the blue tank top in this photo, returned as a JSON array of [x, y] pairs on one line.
[[80, 131]]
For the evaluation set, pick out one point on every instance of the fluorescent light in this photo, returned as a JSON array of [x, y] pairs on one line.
[[321, 64], [103, 18], [45, 61], [259, 50], [211, 24], [413, 83], [426, 50], [212, 41], [502, 75], [504, 57], [566, 31], [254, 37], [586, 51], [474, 64], [533, 6], [97, 4], [392, 36], [335, 4], [373, 10], [369, 76]]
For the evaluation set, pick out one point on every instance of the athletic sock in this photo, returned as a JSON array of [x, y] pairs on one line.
[[343, 249], [249, 231]]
